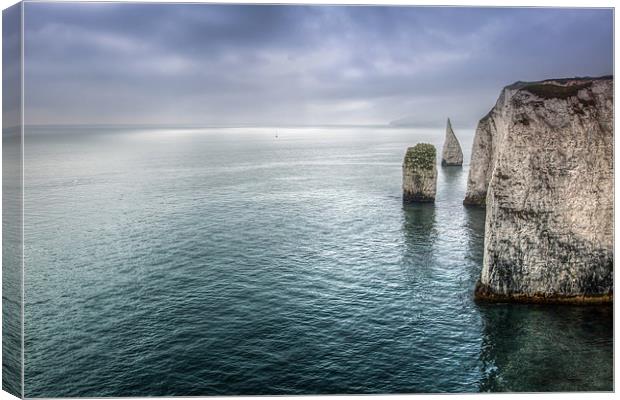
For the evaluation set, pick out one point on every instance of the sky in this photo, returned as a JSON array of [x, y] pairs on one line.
[[123, 63]]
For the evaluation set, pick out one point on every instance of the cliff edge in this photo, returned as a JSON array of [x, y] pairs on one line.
[[542, 162]]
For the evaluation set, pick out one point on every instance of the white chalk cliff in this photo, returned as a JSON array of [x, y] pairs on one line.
[[452, 155], [542, 162]]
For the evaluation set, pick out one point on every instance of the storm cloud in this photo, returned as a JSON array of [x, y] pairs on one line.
[[123, 63]]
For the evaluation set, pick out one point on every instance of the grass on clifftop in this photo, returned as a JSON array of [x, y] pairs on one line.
[[551, 91], [562, 88], [422, 156]]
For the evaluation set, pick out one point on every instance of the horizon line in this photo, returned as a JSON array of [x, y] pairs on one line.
[[227, 125]]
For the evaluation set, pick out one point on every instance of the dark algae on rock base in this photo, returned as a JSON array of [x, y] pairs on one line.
[[420, 174], [542, 163]]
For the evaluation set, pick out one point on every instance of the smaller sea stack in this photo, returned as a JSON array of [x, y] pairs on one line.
[[420, 174], [452, 155]]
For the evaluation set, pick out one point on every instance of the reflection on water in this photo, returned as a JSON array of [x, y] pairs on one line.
[[474, 230], [547, 348], [419, 232], [452, 175]]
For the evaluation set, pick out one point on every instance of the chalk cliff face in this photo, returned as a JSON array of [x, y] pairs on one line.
[[420, 173], [452, 155], [543, 163], [483, 156]]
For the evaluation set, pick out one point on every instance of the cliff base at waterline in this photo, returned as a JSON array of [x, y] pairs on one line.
[[543, 162]]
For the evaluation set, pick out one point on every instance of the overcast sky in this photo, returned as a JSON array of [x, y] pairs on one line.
[[226, 64]]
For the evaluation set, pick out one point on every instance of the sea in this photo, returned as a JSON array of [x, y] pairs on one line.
[[202, 261]]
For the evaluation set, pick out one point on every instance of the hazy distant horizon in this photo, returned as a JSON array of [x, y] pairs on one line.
[[295, 65], [240, 125], [249, 126]]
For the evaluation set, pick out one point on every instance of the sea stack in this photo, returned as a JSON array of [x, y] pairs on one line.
[[452, 155], [420, 174], [542, 162]]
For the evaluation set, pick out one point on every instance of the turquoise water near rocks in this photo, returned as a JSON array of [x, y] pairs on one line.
[[227, 261]]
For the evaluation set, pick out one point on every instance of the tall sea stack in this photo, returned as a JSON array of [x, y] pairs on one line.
[[542, 162], [420, 174], [452, 155]]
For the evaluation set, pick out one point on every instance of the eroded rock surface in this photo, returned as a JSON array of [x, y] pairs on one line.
[[420, 173], [543, 163], [452, 155]]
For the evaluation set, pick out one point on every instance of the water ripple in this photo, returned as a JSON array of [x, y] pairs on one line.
[[221, 263]]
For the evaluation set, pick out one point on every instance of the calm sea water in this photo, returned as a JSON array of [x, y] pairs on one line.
[[228, 261]]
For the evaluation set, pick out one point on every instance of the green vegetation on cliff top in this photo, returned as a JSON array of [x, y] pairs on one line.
[[557, 88], [551, 91], [421, 156]]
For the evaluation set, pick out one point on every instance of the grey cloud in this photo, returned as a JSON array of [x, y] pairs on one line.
[[209, 64]]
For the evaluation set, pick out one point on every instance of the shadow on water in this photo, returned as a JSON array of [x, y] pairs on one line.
[[420, 234], [452, 174], [519, 348], [474, 230], [450, 184], [536, 348], [419, 230], [539, 348]]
